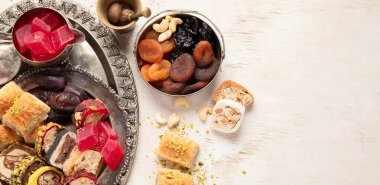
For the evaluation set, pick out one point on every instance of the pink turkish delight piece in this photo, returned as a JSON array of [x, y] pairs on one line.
[[61, 37], [44, 57], [39, 43], [40, 25], [112, 154], [87, 137], [52, 20], [19, 37], [105, 132]]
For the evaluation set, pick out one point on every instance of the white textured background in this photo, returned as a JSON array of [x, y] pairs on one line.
[[314, 69]]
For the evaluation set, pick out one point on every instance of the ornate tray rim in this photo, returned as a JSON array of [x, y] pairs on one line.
[[121, 71]]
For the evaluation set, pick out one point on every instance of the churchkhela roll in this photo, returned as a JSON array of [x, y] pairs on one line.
[[46, 175], [81, 177], [24, 169], [46, 137]]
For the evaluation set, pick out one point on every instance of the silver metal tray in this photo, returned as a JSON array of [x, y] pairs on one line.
[[100, 58]]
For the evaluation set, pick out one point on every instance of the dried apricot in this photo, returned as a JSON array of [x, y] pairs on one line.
[[182, 68], [144, 72], [165, 64], [156, 72], [203, 54], [172, 87], [194, 87], [152, 35], [150, 50], [168, 45], [207, 73]]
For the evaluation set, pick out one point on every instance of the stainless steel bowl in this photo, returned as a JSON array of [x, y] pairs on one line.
[[219, 54], [79, 37]]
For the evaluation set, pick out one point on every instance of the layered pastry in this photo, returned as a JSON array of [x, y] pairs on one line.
[[24, 169], [7, 137], [11, 157], [81, 177], [26, 114], [227, 116], [46, 175], [177, 149], [89, 160], [233, 91], [9, 93], [61, 148], [89, 111], [173, 177], [31, 138], [45, 138]]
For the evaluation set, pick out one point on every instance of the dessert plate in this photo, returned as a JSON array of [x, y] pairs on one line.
[[100, 59], [97, 89]]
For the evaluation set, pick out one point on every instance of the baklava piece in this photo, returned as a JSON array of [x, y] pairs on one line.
[[173, 177], [233, 91], [26, 114], [7, 137], [9, 93], [177, 149]]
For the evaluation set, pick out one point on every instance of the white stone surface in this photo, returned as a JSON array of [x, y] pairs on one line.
[[314, 69]]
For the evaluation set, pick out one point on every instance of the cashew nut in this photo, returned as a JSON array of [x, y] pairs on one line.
[[181, 101], [162, 27], [204, 111], [164, 36], [168, 18], [173, 24], [160, 120], [173, 120]]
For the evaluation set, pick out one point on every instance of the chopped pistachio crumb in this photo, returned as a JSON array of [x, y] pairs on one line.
[[200, 163], [191, 126], [244, 172]]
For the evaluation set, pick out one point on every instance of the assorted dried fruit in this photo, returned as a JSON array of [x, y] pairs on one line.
[[191, 47]]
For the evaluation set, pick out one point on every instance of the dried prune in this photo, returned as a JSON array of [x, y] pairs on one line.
[[183, 39], [42, 94], [150, 50], [52, 83], [194, 87], [205, 31], [207, 73], [182, 68], [73, 89], [172, 87], [203, 54], [64, 102], [168, 45]]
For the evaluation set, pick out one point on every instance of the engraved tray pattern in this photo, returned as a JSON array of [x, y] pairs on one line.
[[124, 82]]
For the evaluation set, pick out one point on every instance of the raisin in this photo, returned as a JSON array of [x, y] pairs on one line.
[[172, 87], [194, 87], [150, 50], [207, 73], [205, 31], [203, 54], [182, 68]]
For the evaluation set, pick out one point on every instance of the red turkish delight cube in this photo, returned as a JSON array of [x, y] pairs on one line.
[[19, 37], [39, 43], [112, 154], [52, 20], [105, 132], [87, 137], [61, 37], [40, 25]]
